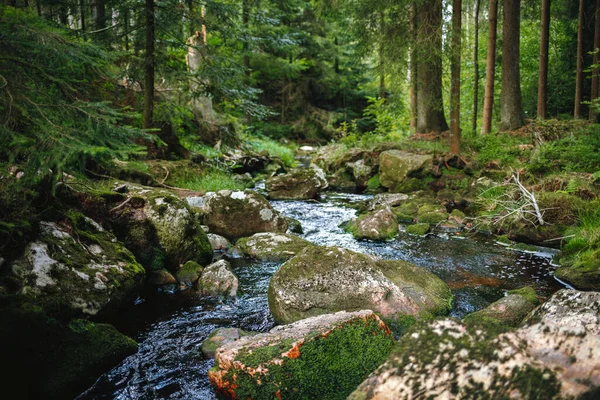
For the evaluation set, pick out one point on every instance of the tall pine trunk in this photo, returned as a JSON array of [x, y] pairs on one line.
[[430, 107], [511, 105], [149, 66], [413, 71], [455, 72], [542, 112], [595, 71], [476, 68], [579, 73], [490, 69]]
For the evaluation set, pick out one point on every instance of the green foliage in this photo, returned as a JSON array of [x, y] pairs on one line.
[[259, 143], [53, 116], [501, 147], [210, 181]]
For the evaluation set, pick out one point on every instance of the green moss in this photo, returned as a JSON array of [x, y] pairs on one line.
[[534, 383], [528, 293], [410, 185], [328, 367], [457, 214], [433, 218], [504, 240], [373, 183], [418, 229]]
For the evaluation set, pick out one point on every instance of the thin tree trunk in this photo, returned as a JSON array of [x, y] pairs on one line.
[[579, 74], [490, 69], [430, 106], [82, 14], [381, 61], [542, 112], [413, 71], [595, 71], [149, 66], [476, 67], [455, 72], [190, 5], [511, 105], [100, 14], [245, 22]]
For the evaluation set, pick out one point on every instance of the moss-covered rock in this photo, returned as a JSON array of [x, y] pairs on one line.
[[509, 310], [270, 246], [396, 165], [583, 272], [76, 268], [220, 337], [320, 357], [50, 359], [298, 184], [431, 214], [160, 278], [236, 214], [418, 229], [189, 274], [294, 226], [218, 279], [376, 225], [321, 280]]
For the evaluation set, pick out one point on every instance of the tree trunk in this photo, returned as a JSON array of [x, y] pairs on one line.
[[413, 71], [476, 67], [430, 107], [579, 74], [542, 112], [149, 66], [381, 56], [511, 106], [100, 14], [490, 69], [595, 71], [82, 14], [190, 6], [455, 72], [245, 22]]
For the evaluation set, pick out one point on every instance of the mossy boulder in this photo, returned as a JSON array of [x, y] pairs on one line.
[[387, 200], [432, 214], [418, 229], [219, 280], [270, 246], [321, 280], [395, 166], [581, 270], [375, 225], [236, 214], [160, 229], [76, 268], [189, 274], [325, 357], [51, 359], [298, 184], [510, 310], [160, 278], [218, 242], [220, 337], [545, 359], [294, 226]]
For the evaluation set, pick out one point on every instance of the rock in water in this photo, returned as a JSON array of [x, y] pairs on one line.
[[376, 225], [299, 184], [218, 242], [270, 246], [218, 279], [322, 280], [220, 337], [71, 277], [396, 165], [240, 213], [322, 357], [555, 355], [509, 310]]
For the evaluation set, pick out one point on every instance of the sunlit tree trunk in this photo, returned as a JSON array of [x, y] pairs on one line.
[[413, 71], [511, 105], [476, 68], [595, 71], [455, 72], [542, 112], [149, 60], [579, 73], [490, 69]]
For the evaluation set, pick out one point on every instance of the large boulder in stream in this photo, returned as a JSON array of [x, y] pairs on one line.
[[375, 225], [555, 355], [510, 310], [321, 280], [218, 279], [76, 268], [270, 246], [395, 166], [323, 357], [298, 184], [236, 214]]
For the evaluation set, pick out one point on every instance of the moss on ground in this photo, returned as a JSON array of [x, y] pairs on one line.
[[418, 229]]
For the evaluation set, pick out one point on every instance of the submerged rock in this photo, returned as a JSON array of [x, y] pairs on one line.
[[83, 276], [375, 225], [236, 214], [270, 246], [299, 184], [321, 280], [509, 310], [556, 355], [218, 279], [396, 165], [320, 357], [220, 337]]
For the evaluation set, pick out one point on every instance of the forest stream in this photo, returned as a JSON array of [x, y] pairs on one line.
[[171, 326]]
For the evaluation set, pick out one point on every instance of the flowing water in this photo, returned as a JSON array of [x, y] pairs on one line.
[[171, 326]]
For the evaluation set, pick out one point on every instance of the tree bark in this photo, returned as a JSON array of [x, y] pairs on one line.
[[381, 56], [149, 66], [579, 73], [430, 107], [413, 71], [476, 68], [490, 69], [100, 14], [595, 71], [82, 14], [455, 72], [511, 105], [542, 112]]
